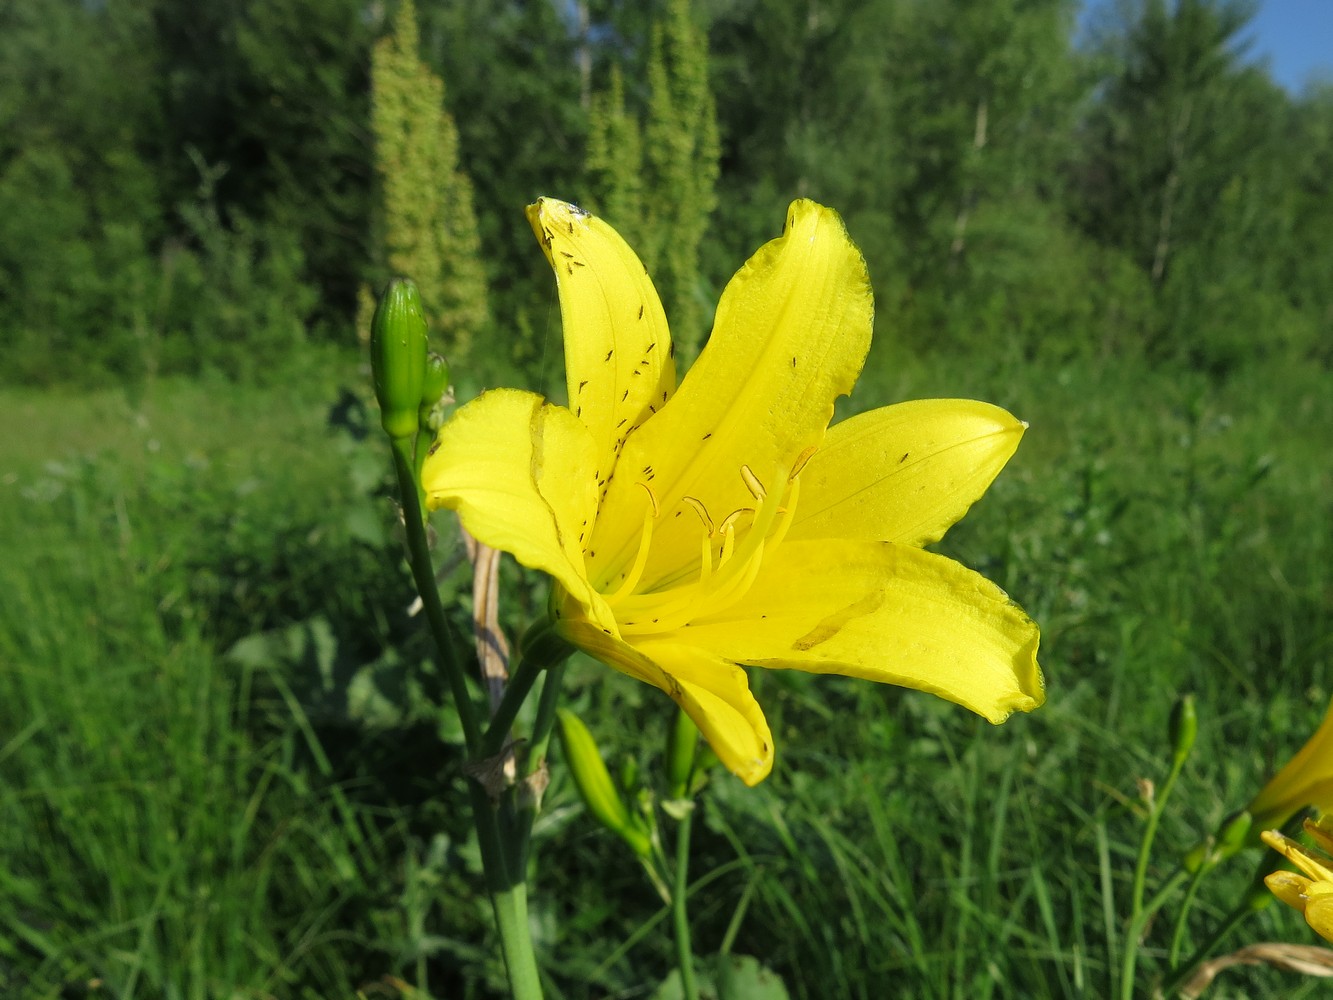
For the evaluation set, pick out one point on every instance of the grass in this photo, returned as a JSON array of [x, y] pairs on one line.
[[220, 774]]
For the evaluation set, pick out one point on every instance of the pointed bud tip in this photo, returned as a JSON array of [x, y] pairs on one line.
[[1184, 727]]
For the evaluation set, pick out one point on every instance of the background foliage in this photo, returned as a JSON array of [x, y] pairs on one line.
[[221, 771]]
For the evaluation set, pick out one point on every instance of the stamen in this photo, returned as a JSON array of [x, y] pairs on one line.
[[728, 542], [799, 464], [753, 484], [723, 583], [702, 511], [651, 498], [641, 557], [733, 517]]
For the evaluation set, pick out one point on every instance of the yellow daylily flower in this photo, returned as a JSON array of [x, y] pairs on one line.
[[1312, 891], [1306, 780], [691, 532]]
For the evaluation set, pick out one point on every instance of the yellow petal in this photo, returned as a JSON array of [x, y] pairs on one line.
[[1289, 888], [1319, 909], [790, 336], [712, 692], [1306, 780], [1321, 830], [618, 358], [518, 471], [1313, 867], [884, 612], [904, 473]]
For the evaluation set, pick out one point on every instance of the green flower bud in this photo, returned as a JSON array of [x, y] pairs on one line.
[[629, 774], [594, 783], [681, 744], [1233, 834], [1199, 856], [1231, 837], [434, 383], [398, 357], [1184, 728]]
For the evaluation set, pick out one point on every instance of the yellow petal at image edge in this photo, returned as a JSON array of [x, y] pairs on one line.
[[883, 612], [518, 471], [1319, 909], [1305, 780], [904, 473], [712, 692]]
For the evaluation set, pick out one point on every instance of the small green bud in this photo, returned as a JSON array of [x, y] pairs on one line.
[[1233, 834], [1184, 728], [398, 357], [595, 786], [629, 773], [434, 383], [1200, 855], [1230, 839], [681, 744]]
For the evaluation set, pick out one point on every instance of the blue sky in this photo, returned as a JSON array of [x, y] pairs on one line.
[[1296, 37]]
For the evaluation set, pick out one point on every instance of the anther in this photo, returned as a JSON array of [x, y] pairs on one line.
[[702, 511], [801, 459], [753, 484], [651, 498]]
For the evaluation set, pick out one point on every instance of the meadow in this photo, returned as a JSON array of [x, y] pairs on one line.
[[223, 774]]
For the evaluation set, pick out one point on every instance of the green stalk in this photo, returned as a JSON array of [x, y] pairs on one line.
[[1180, 974], [679, 910], [504, 883], [1138, 915], [509, 900], [515, 693], [446, 643], [542, 728], [1178, 935], [1256, 898]]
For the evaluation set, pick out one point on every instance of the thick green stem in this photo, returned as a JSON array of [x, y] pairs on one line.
[[504, 881], [509, 900], [679, 910], [418, 548], [541, 738], [515, 694], [544, 724]]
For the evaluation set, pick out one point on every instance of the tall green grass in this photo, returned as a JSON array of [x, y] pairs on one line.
[[220, 775]]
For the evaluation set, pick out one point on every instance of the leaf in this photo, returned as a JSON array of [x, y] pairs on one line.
[[743, 977], [735, 977]]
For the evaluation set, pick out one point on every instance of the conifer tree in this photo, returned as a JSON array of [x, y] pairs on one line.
[[429, 226], [681, 161], [615, 160], [666, 186]]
